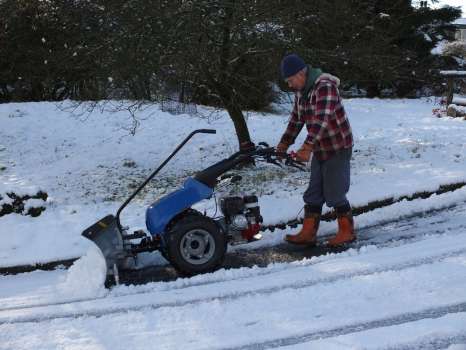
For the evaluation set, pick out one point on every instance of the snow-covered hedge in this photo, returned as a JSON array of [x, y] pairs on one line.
[[32, 205]]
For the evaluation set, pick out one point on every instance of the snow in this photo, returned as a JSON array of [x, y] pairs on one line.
[[461, 109], [33, 203], [86, 276], [453, 72], [346, 299], [417, 335], [349, 262], [459, 100], [439, 47], [402, 287], [393, 212], [457, 347], [6, 199], [89, 163]]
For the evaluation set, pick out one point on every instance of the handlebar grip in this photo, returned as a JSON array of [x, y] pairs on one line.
[[207, 131]]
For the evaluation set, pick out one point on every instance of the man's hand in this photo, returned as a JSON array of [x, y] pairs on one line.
[[304, 153], [281, 148]]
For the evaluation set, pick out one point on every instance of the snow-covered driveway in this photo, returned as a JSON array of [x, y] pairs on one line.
[[406, 292]]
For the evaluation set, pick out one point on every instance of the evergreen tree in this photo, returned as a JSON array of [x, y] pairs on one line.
[[371, 43]]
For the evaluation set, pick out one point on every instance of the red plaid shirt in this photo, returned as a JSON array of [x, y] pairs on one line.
[[322, 111]]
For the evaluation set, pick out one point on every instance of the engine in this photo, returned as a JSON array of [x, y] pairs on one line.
[[242, 217]]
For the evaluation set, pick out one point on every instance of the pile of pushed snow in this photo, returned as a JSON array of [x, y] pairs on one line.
[[86, 277]]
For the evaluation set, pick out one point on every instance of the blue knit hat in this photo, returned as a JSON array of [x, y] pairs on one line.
[[291, 64]]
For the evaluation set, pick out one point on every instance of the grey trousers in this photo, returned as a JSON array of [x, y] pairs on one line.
[[330, 181]]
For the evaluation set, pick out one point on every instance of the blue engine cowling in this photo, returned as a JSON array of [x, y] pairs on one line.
[[159, 214]]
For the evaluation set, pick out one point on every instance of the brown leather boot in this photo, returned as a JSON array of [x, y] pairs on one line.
[[308, 233], [345, 232]]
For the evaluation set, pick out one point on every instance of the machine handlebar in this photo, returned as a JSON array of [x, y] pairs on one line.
[[206, 131]]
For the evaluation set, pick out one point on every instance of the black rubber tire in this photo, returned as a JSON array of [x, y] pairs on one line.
[[163, 252], [174, 238]]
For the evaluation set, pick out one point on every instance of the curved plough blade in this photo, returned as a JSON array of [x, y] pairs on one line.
[[106, 235]]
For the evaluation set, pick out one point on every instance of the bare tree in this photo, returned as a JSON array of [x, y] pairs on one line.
[[227, 52]]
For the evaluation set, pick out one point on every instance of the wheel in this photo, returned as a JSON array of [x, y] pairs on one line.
[[195, 244], [164, 254]]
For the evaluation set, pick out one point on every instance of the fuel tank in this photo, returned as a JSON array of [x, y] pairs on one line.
[[159, 214]]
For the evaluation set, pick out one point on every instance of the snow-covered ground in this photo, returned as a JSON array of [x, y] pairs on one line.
[[403, 294], [401, 287], [89, 163]]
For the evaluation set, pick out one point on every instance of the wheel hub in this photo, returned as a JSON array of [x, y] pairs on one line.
[[197, 246]]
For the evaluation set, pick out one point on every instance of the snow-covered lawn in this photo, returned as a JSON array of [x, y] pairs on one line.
[[88, 164], [402, 286]]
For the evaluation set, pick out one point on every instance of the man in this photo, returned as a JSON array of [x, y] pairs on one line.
[[318, 105]]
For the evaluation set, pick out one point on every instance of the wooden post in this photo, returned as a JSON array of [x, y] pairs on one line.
[[451, 76], [450, 89]]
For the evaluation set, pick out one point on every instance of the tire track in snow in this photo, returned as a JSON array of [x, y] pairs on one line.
[[231, 295], [364, 239], [432, 344], [364, 326], [382, 241], [389, 242], [281, 253], [292, 224]]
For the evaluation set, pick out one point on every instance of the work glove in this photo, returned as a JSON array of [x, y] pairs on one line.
[[282, 147], [304, 153]]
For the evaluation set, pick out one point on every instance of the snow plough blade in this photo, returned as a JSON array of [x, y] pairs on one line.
[[106, 235]]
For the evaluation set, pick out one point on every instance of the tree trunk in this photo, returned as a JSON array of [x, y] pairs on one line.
[[241, 128], [235, 112], [228, 96]]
